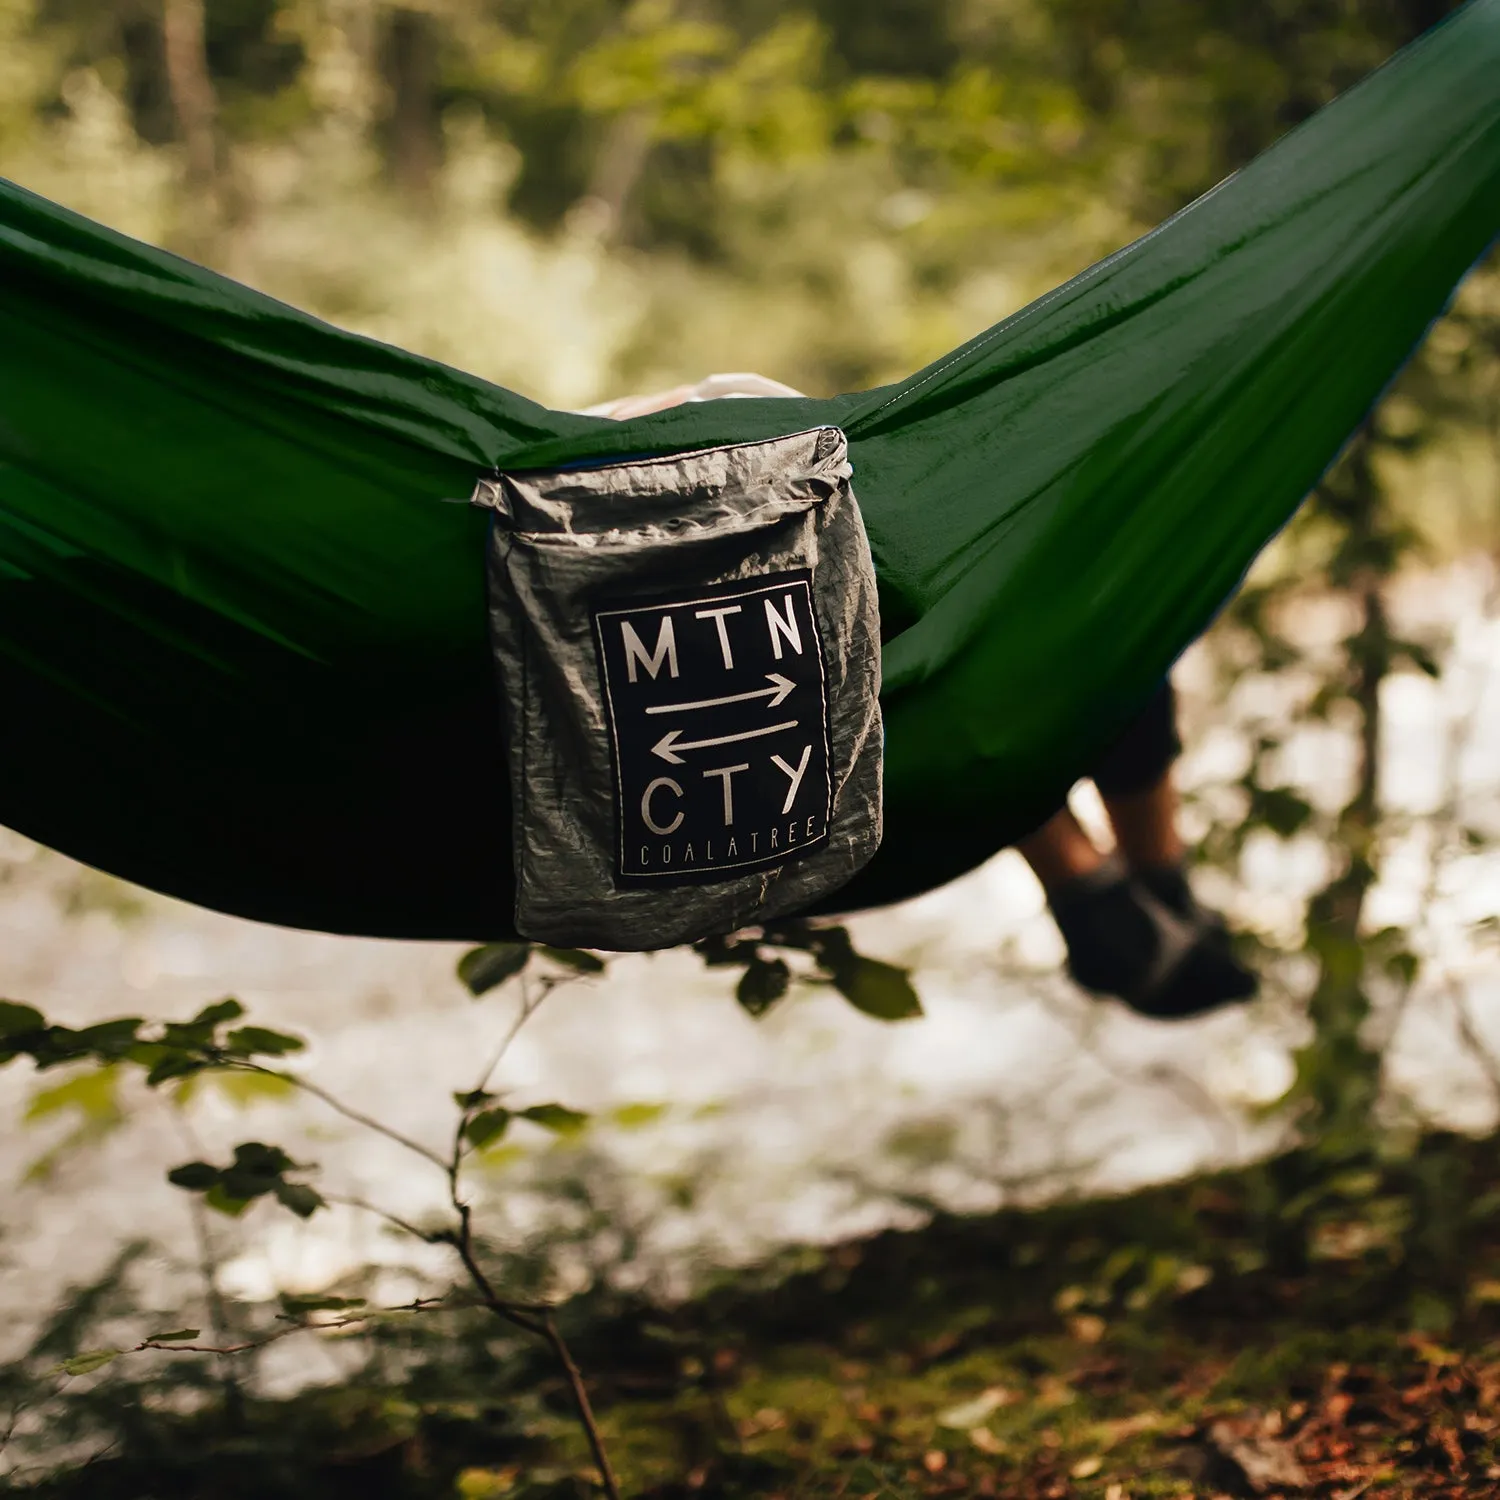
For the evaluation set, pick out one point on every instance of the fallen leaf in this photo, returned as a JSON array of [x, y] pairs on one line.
[[1265, 1463], [768, 1419], [1447, 1439], [1086, 1468], [986, 1441], [1192, 1279], [973, 1413], [1116, 1431], [1087, 1328]]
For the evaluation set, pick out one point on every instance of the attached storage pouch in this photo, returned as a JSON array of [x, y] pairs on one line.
[[689, 654]]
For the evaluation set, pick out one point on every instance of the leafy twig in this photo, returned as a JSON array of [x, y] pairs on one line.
[[538, 1321], [291, 1326]]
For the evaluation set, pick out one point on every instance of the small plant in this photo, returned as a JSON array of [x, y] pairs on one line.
[[218, 1040]]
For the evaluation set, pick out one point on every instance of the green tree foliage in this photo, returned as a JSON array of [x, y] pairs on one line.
[[390, 165]]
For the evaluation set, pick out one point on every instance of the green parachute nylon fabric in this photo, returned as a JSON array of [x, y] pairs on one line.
[[242, 637]]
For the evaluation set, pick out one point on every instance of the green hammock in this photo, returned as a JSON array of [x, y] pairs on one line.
[[242, 639]]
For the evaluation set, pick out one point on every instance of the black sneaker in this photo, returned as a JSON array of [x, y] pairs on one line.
[[1124, 941], [1169, 884]]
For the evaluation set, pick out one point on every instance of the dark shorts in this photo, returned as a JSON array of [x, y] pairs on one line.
[[1145, 752]]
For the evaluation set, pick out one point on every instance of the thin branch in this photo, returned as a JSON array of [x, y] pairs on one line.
[[427, 1236], [524, 1316], [1468, 1033], [530, 1003], [585, 1410], [528, 1008], [219, 1320], [291, 1326], [246, 1347], [538, 1321], [348, 1111]]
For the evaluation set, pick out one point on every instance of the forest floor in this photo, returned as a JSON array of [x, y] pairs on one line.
[[1244, 1335]]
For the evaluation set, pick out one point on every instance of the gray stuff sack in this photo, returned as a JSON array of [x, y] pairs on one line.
[[689, 654]]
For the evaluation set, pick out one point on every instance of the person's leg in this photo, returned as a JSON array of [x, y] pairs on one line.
[[1130, 924], [1135, 782], [1060, 852], [1134, 777], [1145, 825]]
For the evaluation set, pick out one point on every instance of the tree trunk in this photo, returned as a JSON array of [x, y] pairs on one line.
[[414, 149], [617, 169], [193, 99], [1345, 1069]]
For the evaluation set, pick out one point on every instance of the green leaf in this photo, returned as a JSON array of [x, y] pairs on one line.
[[245, 1186], [86, 1364], [499, 1157], [1280, 809], [248, 1039], [246, 1089], [177, 1336], [574, 958], [557, 1118], [762, 984], [483, 969], [174, 1062], [221, 1010], [486, 1128], [878, 989], [16, 1020], [473, 1099], [222, 1201], [637, 1116], [109, 1039], [94, 1094], [303, 1200], [194, 1176], [1420, 657], [262, 1160], [724, 952], [294, 1304]]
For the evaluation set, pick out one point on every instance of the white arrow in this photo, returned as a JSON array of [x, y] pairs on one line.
[[777, 693], [667, 746]]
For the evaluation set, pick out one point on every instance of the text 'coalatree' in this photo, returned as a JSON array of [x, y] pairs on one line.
[[717, 705]]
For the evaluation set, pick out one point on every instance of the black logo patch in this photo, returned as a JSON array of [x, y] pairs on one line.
[[718, 719]]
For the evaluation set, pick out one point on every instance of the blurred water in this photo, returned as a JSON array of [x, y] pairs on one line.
[[812, 1123]]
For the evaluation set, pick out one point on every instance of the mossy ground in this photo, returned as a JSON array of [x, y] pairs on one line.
[[1179, 1342]]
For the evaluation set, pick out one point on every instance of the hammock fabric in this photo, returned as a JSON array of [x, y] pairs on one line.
[[242, 639]]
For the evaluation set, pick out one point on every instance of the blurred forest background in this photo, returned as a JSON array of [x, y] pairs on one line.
[[584, 198]]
